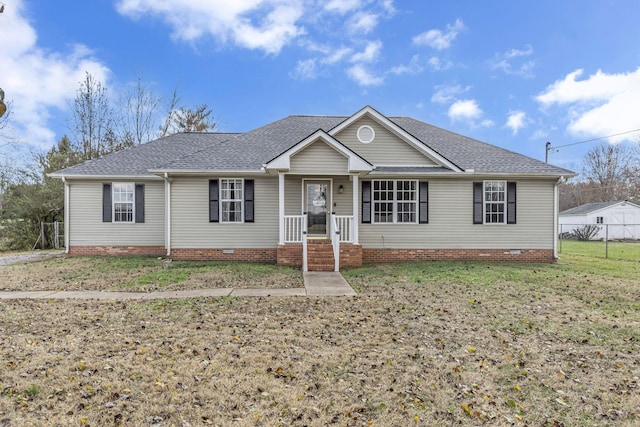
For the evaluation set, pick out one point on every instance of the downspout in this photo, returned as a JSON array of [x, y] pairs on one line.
[[555, 218], [167, 191], [66, 215]]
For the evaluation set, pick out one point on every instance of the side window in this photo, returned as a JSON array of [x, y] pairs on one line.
[[494, 202], [231, 200], [123, 202]]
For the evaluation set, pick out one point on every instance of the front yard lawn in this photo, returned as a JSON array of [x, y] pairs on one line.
[[436, 344]]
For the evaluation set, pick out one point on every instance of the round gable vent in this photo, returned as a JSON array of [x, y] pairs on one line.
[[365, 134]]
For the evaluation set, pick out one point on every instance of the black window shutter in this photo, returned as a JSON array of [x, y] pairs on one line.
[[423, 200], [214, 215], [139, 202], [511, 202], [248, 200], [477, 202], [366, 202], [106, 203]]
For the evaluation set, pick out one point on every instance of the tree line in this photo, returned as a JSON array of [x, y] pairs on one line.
[[610, 172], [98, 125]]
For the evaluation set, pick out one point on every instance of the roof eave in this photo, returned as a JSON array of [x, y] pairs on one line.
[[88, 176]]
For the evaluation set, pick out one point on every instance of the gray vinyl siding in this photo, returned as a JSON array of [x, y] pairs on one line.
[[318, 158], [450, 221], [386, 148], [85, 218], [190, 226]]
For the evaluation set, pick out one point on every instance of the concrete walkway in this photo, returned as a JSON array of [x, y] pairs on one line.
[[315, 284]]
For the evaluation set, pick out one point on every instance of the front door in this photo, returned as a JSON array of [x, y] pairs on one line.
[[317, 201]]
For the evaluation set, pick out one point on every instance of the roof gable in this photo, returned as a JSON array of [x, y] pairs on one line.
[[389, 125], [355, 162], [385, 148]]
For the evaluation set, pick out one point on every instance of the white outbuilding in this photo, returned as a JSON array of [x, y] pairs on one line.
[[616, 220]]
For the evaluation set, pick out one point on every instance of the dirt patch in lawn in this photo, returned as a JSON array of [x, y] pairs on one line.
[[143, 274], [424, 344]]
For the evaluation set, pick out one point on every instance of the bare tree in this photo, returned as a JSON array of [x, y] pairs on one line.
[[194, 119], [140, 106], [607, 165], [93, 118], [166, 127]]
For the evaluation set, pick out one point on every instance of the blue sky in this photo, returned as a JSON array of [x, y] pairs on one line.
[[515, 74]]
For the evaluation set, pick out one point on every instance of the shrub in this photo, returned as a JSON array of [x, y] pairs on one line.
[[586, 232]]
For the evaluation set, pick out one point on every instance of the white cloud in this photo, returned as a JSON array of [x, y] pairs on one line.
[[511, 62], [516, 120], [467, 110], [436, 64], [447, 93], [226, 20], [414, 67], [311, 68], [37, 81], [306, 69], [342, 6], [603, 104], [363, 22], [363, 76], [371, 53], [539, 134], [437, 39]]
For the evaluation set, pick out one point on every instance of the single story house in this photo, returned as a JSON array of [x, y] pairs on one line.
[[618, 220], [318, 192]]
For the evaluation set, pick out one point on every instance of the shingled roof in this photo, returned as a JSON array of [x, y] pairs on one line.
[[587, 208], [203, 152]]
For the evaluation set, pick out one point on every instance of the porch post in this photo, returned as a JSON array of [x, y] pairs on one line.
[[281, 206], [356, 213]]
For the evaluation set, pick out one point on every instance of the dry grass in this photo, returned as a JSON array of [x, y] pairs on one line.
[[143, 274], [422, 344]]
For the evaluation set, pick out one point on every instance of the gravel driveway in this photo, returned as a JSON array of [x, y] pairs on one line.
[[29, 257]]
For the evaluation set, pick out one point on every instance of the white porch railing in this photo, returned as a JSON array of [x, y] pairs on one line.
[[334, 232], [345, 226], [294, 226]]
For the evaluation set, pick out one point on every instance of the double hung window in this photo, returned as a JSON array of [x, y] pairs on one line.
[[495, 202], [123, 201], [395, 201], [231, 200]]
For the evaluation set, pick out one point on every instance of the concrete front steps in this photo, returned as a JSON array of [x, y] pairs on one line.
[[320, 255]]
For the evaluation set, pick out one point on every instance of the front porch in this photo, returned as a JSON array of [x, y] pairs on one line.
[[318, 227]]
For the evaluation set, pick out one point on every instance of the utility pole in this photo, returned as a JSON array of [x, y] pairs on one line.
[[547, 147]]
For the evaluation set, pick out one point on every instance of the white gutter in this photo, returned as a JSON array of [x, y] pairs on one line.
[[555, 218], [167, 192], [66, 215]]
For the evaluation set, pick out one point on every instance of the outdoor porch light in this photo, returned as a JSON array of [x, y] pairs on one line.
[[340, 188]]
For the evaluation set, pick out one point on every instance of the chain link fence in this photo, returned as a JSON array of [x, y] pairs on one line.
[[51, 236], [615, 241]]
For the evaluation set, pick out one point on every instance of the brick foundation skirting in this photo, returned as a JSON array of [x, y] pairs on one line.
[[350, 255], [117, 250], [290, 254], [266, 256], [372, 256]]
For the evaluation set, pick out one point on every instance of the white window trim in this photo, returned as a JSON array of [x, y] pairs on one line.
[[484, 203], [113, 203], [220, 201], [395, 202]]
